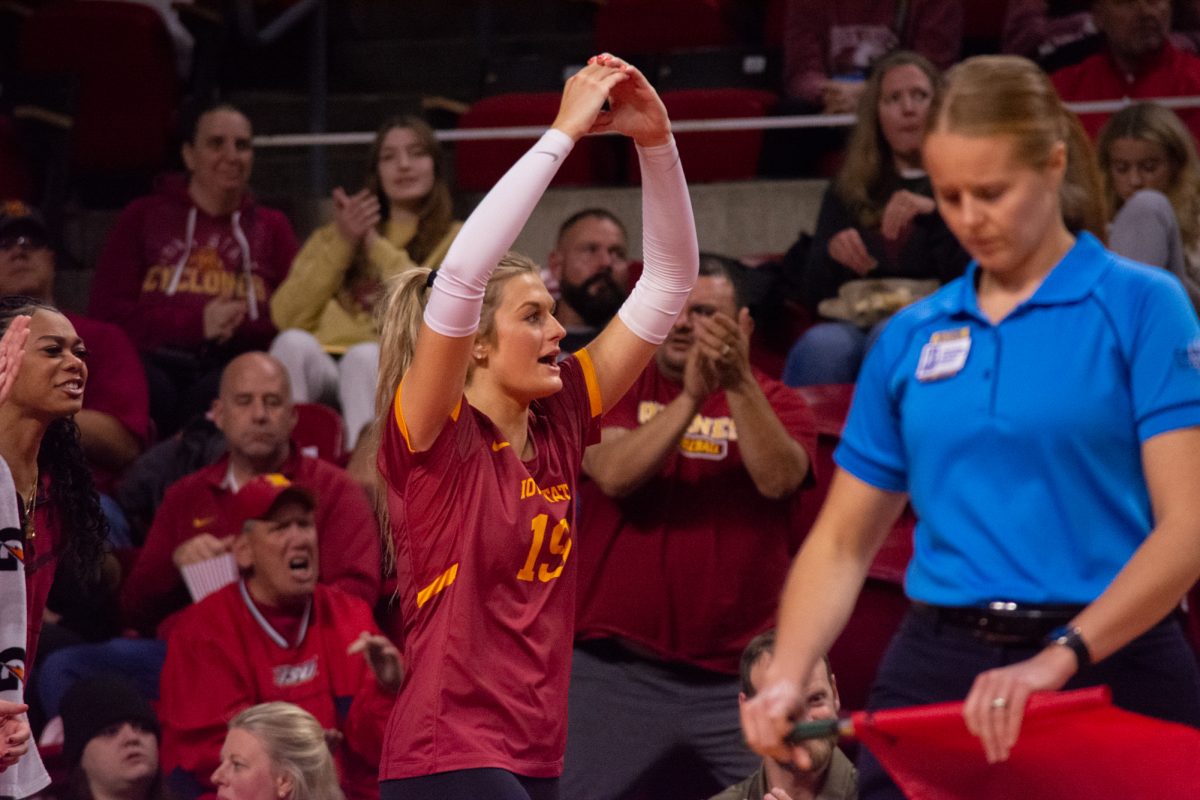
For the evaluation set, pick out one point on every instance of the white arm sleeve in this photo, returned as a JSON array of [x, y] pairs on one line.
[[670, 253], [456, 299]]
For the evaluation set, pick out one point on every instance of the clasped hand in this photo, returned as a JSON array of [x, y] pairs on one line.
[[634, 107], [720, 354]]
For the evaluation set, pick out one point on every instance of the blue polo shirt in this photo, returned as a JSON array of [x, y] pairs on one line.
[[1022, 454]]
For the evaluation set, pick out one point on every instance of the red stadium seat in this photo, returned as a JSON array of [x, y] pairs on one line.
[[320, 431], [479, 164], [127, 91], [716, 155], [630, 27]]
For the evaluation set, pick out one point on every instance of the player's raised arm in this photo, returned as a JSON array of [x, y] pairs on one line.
[[434, 381], [669, 247]]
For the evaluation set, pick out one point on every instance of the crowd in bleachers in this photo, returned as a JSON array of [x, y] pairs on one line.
[[225, 354]]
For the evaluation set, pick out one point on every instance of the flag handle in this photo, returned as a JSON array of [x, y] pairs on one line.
[[820, 729]]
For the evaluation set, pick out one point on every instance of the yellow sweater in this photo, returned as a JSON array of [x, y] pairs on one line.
[[333, 285]]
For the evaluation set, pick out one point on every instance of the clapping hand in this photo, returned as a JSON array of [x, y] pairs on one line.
[[725, 343], [355, 215], [12, 351]]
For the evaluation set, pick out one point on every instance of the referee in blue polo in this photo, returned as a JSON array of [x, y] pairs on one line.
[[1042, 414]]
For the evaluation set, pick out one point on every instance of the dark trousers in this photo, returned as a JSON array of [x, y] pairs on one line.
[[470, 784], [929, 662], [643, 728]]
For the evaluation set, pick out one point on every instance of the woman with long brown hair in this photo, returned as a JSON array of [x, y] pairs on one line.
[[1152, 183], [877, 219], [402, 219], [1042, 415]]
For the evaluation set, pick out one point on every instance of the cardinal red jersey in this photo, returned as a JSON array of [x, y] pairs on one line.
[[690, 566], [487, 585]]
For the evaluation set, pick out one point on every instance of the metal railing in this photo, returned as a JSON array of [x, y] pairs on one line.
[[680, 126]]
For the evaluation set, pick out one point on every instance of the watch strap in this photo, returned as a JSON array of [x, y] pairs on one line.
[[1072, 638]]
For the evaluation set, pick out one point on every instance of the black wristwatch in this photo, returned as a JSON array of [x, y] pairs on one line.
[[1071, 638]]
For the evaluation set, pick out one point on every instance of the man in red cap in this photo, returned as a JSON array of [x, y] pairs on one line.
[[276, 634]]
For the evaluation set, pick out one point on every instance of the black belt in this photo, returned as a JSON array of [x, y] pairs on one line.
[[1002, 622]]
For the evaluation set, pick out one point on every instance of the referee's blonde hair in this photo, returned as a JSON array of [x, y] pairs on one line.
[[1010, 95], [295, 743]]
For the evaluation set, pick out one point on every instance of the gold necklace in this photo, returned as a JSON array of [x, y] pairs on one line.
[[30, 530]]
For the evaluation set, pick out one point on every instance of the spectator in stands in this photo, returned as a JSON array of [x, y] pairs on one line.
[[60, 518], [1058, 33], [188, 272], [114, 423], [276, 750], [830, 45], [110, 744], [590, 266], [686, 522], [276, 634], [402, 219], [196, 522], [21, 769], [1054, 33], [831, 776], [1152, 180], [878, 219], [1138, 60]]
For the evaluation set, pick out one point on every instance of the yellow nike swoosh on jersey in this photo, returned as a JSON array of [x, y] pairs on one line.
[[498, 446], [200, 522]]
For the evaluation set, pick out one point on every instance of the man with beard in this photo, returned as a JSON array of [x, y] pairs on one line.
[[590, 263], [685, 533], [830, 775]]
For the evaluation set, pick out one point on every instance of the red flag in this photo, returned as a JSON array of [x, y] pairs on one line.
[[1072, 745]]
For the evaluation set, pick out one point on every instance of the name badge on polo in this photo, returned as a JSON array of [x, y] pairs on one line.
[[944, 354]]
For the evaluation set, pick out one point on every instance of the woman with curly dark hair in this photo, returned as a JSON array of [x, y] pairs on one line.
[[59, 510]]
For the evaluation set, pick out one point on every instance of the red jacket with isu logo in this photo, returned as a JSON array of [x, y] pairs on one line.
[[347, 537], [166, 259], [225, 656]]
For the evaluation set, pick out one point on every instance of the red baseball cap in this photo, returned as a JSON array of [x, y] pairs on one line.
[[261, 496]]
